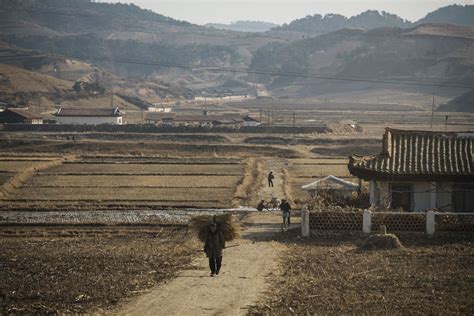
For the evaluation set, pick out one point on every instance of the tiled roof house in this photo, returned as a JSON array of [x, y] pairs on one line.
[[418, 170], [93, 116]]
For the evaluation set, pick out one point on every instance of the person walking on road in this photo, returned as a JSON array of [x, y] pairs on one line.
[[270, 179], [213, 247], [285, 208]]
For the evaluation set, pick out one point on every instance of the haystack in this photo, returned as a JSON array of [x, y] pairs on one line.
[[382, 241], [226, 223]]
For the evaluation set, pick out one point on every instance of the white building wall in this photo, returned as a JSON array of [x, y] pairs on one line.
[[444, 196], [250, 123], [422, 196], [89, 120]]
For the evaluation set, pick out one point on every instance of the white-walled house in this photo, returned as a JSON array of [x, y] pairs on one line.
[[420, 170], [250, 121], [89, 116]]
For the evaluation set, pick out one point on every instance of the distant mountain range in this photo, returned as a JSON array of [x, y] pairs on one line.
[[125, 40], [244, 26]]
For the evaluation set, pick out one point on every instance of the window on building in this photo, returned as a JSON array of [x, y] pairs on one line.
[[463, 197], [402, 196]]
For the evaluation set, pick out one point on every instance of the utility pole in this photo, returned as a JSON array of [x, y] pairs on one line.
[[294, 123], [432, 111]]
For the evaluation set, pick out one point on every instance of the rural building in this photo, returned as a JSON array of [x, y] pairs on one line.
[[159, 109], [250, 121], [419, 170], [337, 186], [89, 116], [19, 116]]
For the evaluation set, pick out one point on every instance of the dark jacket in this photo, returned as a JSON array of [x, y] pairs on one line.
[[285, 207], [214, 244], [271, 177]]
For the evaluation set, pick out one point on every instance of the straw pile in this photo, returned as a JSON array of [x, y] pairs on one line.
[[382, 241], [226, 223]]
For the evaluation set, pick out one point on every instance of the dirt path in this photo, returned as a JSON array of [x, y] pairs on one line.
[[247, 264], [266, 192]]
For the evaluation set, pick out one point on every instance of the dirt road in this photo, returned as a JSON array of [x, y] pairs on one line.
[[247, 264], [266, 192]]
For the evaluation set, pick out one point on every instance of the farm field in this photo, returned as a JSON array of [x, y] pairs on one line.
[[169, 182], [331, 275], [71, 270]]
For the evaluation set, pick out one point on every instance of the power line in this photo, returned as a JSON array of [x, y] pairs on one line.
[[256, 72]]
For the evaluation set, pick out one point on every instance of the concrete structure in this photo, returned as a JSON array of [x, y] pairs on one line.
[[95, 116], [19, 116], [420, 170], [159, 109], [331, 183]]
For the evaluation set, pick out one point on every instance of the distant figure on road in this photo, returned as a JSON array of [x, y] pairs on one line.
[[285, 208], [270, 179], [213, 248], [261, 205]]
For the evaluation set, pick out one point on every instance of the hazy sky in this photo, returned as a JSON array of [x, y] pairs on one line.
[[283, 11]]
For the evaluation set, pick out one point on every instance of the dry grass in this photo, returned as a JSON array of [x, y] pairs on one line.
[[136, 169], [331, 276], [134, 181], [122, 194], [245, 192], [16, 166], [74, 270]]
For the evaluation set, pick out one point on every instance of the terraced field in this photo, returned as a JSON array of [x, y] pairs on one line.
[[170, 183]]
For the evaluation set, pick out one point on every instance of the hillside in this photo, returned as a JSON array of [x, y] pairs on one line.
[[14, 79], [462, 103], [452, 14], [317, 24], [386, 53]]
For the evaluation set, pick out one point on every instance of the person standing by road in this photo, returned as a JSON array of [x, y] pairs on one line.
[[285, 208], [270, 179], [213, 247]]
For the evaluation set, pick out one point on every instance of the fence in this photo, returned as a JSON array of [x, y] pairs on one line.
[[367, 221]]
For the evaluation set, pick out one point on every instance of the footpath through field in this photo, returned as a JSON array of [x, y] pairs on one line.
[[247, 263]]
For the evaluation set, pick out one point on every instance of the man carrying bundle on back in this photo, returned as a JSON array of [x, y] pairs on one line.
[[215, 242]]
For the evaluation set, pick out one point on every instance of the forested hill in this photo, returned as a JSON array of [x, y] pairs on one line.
[[318, 24], [453, 14]]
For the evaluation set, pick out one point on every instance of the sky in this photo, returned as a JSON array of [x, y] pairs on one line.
[[283, 11]]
